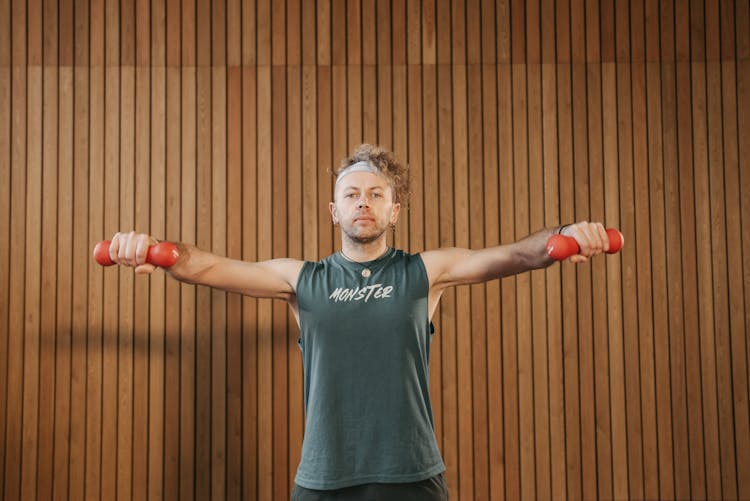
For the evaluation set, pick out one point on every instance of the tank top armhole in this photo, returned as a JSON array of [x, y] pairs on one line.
[[303, 272], [423, 268], [426, 281]]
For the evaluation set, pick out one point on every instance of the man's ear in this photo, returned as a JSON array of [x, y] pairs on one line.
[[332, 209], [394, 212]]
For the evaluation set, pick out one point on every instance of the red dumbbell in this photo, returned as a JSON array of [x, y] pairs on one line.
[[561, 247], [163, 254]]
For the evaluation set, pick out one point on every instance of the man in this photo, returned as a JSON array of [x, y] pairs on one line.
[[364, 315]]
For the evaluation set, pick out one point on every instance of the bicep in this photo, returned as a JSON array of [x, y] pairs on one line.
[[455, 266], [275, 279]]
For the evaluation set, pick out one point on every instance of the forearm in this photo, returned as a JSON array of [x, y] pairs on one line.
[[193, 265], [455, 266], [530, 253]]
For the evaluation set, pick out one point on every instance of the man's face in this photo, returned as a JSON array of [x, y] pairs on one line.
[[364, 206]]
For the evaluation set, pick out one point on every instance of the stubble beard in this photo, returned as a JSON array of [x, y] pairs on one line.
[[363, 239]]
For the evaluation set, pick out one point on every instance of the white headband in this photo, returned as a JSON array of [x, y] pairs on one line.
[[362, 166]]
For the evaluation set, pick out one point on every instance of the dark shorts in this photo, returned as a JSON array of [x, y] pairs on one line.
[[431, 489]]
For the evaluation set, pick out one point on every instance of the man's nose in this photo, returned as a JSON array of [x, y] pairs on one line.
[[364, 201]]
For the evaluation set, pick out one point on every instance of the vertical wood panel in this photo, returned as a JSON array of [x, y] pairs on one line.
[[384, 70], [598, 409], [188, 293], [203, 476], [64, 222], [157, 226], [399, 113], [295, 234], [523, 333], [249, 305], [30, 385], [738, 342], [491, 230], [234, 250], [217, 124], [717, 213], [216, 195], [94, 355], [449, 386], [673, 265], [555, 402], [188, 228], [5, 197], [16, 314], [125, 329], [203, 338], [234, 301], [142, 290], [737, 96], [432, 231], [509, 443], [583, 157], [629, 294], [48, 270], [125, 339], [743, 126], [464, 411], [79, 248], [111, 225], [173, 213], [620, 486], [641, 124], [172, 330], [705, 279], [265, 430], [218, 235], [280, 335], [555, 399], [660, 327]]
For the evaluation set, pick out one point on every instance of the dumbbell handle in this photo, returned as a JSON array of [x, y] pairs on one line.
[[163, 254], [561, 247]]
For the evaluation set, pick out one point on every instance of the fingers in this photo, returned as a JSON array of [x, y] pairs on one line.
[[143, 242], [114, 248], [592, 240], [131, 249], [127, 251], [144, 269], [603, 237]]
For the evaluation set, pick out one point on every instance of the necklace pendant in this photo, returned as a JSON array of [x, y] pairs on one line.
[[366, 273]]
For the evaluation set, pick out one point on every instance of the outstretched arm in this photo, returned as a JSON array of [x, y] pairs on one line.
[[275, 279], [454, 266]]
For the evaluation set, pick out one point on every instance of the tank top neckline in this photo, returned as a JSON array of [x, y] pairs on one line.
[[370, 265]]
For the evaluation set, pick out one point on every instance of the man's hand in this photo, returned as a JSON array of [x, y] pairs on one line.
[[130, 249], [591, 237]]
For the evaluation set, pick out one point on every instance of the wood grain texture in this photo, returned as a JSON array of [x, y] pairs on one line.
[[217, 124]]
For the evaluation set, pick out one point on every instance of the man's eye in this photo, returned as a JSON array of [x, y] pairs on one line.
[[376, 195], [350, 195]]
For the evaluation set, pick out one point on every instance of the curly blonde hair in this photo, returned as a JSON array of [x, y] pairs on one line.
[[385, 161]]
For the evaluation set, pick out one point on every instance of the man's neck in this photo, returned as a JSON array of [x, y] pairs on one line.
[[363, 252]]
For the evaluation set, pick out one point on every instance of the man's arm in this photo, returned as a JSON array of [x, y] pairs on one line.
[[274, 279], [453, 266]]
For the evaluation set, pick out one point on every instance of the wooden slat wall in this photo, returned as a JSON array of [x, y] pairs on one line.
[[215, 123]]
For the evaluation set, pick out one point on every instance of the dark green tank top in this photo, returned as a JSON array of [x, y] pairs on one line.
[[365, 340]]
